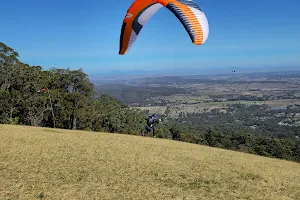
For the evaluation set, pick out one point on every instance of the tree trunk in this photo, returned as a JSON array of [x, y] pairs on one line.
[[74, 122]]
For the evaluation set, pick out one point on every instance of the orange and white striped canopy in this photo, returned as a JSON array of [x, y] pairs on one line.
[[188, 12]]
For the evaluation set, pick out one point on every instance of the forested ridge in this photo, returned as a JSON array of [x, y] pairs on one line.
[[70, 102]]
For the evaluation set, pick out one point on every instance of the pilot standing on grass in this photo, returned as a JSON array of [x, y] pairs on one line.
[[150, 122]]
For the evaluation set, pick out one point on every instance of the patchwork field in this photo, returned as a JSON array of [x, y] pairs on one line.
[[44, 163], [175, 109]]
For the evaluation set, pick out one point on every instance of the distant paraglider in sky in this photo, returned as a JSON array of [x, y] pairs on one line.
[[188, 12], [233, 73]]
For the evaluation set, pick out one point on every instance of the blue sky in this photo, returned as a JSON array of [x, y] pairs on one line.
[[85, 34]]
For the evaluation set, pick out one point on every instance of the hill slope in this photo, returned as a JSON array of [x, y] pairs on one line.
[[60, 164]]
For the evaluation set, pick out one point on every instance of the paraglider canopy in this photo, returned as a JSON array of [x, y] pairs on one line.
[[188, 12]]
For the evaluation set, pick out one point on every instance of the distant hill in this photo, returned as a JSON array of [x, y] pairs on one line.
[[45, 163], [165, 80], [123, 92], [189, 72], [135, 93]]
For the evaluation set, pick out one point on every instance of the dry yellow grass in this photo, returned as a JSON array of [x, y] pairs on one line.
[[60, 164]]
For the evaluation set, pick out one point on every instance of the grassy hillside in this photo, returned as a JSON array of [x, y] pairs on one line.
[[60, 164]]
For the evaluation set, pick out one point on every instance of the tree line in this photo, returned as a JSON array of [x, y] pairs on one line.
[[237, 140], [69, 101]]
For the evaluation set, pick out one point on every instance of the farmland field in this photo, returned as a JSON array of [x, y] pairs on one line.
[[175, 109]]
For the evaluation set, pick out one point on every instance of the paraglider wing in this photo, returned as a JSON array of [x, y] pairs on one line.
[[137, 15], [188, 12]]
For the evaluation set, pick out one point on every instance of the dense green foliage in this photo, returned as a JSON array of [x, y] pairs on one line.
[[255, 119], [237, 140], [70, 102]]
